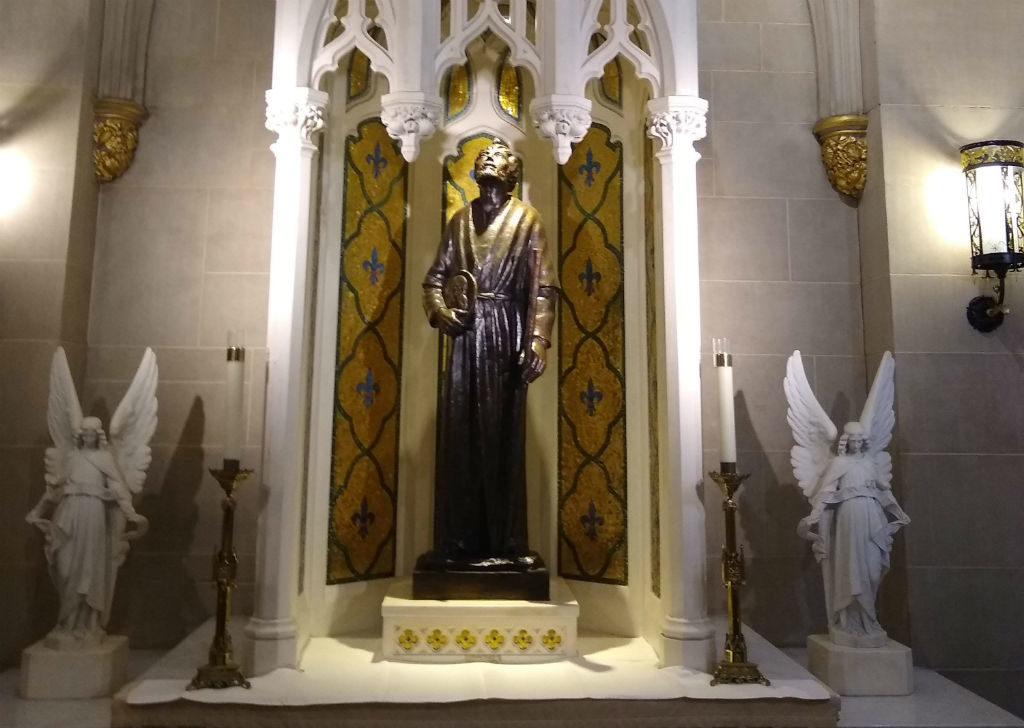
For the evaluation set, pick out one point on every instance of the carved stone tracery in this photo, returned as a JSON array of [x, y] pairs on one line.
[[410, 118], [564, 120], [677, 121]]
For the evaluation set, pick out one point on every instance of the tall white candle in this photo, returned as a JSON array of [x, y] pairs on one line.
[[726, 407], [234, 396]]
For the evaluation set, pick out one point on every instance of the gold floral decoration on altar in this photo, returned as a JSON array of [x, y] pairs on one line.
[[115, 135], [364, 464], [552, 640], [844, 152], [523, 639], [591, 364]]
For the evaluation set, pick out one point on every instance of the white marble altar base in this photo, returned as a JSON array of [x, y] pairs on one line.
[[478, 630], [93, 672], [887, 670]]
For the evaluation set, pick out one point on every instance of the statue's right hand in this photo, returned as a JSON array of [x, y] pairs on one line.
[[450, 321]]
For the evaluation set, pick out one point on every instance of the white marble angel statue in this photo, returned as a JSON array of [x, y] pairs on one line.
[[853, 512], [86, 513]]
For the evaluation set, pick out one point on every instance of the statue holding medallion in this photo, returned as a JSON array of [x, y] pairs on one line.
[[492, 291]]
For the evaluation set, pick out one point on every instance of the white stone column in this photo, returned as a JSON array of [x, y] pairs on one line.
[[678, 121], [296, 115]]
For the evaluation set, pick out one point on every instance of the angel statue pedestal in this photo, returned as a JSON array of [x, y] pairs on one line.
[[848, 481], [88, 523]]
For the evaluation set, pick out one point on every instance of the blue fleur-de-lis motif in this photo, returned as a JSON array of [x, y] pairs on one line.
[[374, 267], [376, 161], [589, 277], [369, 388], [591, 520], [589, 169], [591, 396], [363, 518]]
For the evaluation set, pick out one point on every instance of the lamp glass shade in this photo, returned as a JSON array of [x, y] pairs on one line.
[[995, 203]]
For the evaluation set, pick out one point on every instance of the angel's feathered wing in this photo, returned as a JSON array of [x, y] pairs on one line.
[[133, 424], [878, 418], [63, 416], [813, 431]]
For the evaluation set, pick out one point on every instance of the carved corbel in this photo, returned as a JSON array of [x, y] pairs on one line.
[[564, 120], [844, 151], [842, 129], [119, 110], [115, 135], [410, 117]]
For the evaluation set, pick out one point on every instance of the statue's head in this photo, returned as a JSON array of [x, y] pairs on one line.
[[854, 439], [90, 433], [496, 160]]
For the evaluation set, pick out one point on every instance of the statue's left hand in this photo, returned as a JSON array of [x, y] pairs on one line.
[[535, 361]]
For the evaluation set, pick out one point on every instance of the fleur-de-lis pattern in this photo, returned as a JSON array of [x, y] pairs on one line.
[[364, 464], [589, 169], [376, 161], [591, 521], [591, 363], [589, 277], [373, 266], [363, 518], [590, 397], [368, 388]]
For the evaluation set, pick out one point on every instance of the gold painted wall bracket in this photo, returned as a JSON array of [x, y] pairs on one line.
[[844, 152], [115, 135]]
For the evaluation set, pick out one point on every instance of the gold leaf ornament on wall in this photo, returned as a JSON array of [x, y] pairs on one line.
[[844, 152], [115, 135]]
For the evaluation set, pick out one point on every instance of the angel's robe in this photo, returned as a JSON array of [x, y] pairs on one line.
[[480, 486], [855, 520], [84, 548]]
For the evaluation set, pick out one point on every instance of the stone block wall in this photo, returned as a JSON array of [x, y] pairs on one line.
[[944, 79], [49, 53], [182, 255], [780, 270]]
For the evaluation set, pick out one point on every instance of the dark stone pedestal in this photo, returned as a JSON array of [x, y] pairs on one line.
[[439, 577]]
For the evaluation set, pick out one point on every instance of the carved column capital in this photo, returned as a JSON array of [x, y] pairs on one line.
[[410, 117], [677, 122], [296, 114], [562, 119]]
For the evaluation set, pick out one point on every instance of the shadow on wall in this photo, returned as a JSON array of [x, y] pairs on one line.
[[783, 597], [156, 602]]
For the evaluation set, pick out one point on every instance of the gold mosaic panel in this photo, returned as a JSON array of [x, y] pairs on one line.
[[364, 465], [358, 79], [611, 82], [457, 89], [508, 90], [591, 364]]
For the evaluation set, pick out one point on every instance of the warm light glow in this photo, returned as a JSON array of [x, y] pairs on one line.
[[994, 197], [946, 201], [15, 181]]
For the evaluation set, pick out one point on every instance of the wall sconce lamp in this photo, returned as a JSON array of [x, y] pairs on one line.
[[995, 209]]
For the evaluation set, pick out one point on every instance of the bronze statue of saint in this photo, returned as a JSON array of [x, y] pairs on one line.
[[492, 290]]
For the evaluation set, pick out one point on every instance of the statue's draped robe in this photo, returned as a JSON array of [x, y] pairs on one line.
[[855, 520], [86, 543], [480, 488]]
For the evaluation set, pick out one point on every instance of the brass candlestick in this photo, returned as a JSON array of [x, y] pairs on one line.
[[222, 671], [734, 669]]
